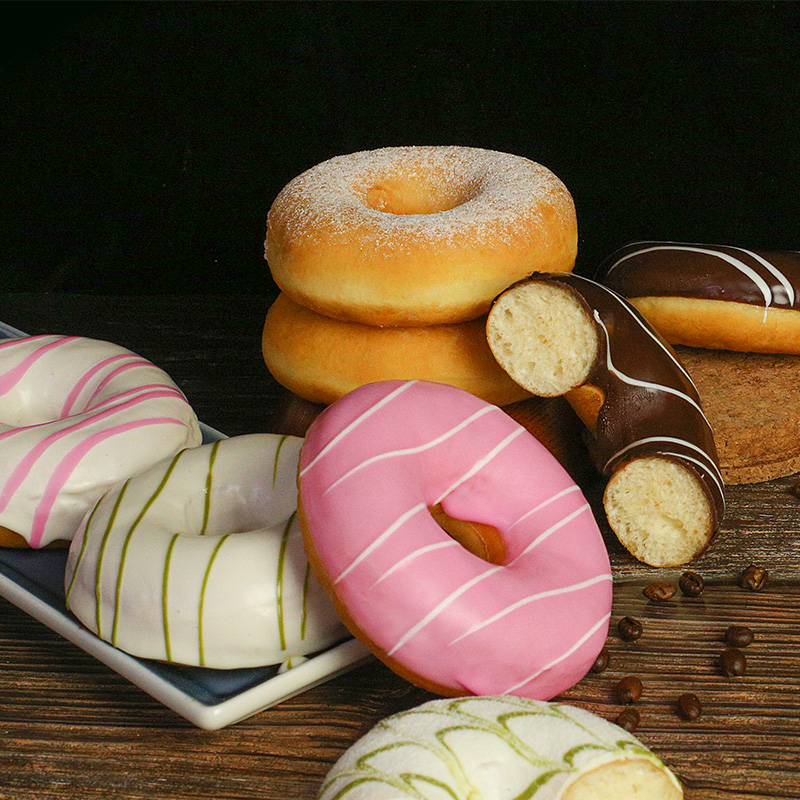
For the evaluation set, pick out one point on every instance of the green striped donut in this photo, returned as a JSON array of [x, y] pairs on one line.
[[199, 560], [503, 748]]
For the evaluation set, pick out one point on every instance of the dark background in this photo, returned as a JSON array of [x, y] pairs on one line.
[[143, 143]]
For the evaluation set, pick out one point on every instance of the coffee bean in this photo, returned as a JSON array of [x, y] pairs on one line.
[[689, 706], [754, 578], [795, 490], [739, 636], [628, 719], [630, 629], [732, 662], [691, 584], [659, 591], [628, 690], [601, 662]]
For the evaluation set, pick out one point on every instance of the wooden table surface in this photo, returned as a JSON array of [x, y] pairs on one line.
[[72, 728]]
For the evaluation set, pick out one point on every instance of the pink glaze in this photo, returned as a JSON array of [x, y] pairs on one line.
[[22, 469], [84, 379], [11, 377], [370, 467]]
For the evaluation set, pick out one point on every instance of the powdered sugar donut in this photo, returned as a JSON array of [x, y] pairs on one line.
[[417, 235], [518, 603], [199, 560], [503, 748], [76, 416]]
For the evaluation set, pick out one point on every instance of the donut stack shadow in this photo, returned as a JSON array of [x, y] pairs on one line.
[[388, 262]]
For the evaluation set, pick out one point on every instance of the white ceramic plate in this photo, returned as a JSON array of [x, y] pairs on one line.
[[211, 699]]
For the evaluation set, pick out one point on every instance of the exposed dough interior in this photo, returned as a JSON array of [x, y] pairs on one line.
[[630, 779], [659, 511], [543, 337]]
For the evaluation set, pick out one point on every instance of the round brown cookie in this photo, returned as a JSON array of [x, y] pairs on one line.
[[750, 400]]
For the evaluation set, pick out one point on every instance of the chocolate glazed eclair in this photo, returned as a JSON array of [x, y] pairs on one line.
[[712, 296], [568, 335]]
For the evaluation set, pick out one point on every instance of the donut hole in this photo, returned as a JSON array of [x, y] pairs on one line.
[[415, 196], [659, 511], [480, 539], [543, 337]]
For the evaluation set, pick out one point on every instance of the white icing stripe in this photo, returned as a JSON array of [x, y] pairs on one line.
[[557, 496], [551, 530], [709, 466], [481, 464], [356, 422], [563, 656], [762, 285], [401, 520], [643, 325], [658, 387], [413, 450], [575, 587], [448, 601], [411, 556], [773, 270]]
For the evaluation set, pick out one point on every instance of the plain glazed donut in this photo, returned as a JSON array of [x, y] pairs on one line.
[[515, 599], [499, 748], [417, 235], [322, 359], [565, 334], [199, 560], [76, 416], [712, 296]]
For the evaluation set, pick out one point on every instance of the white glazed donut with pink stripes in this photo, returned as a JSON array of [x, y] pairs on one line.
[[372, 466], [76, 416]]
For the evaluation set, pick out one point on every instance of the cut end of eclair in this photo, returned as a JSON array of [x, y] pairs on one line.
[[658, 510], [543, 337]]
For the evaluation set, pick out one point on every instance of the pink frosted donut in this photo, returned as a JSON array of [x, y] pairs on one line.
[[527, 616]]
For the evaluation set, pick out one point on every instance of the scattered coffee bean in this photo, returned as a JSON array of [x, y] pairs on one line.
[[630, 629], [601, 662], [628, 690], [689, 706], [659, 591], [754, 578], [691, 584], [732, 662], [739, 636], [628, 719], [795, 490]]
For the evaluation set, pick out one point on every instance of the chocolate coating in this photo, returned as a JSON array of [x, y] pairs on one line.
[[709, 272], [651, 405]]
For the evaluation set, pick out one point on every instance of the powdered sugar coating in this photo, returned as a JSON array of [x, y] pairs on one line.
[[498, 192], [417, 235]]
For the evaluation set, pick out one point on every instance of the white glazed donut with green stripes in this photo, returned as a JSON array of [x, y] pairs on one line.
[[503, 748], [199, 560]]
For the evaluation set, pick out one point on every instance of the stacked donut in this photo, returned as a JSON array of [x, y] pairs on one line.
[[388, 261]]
